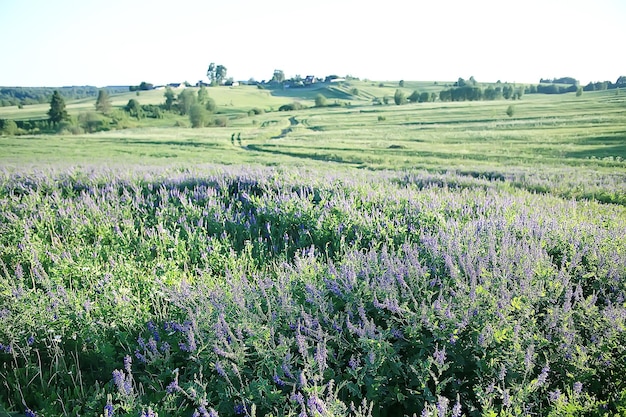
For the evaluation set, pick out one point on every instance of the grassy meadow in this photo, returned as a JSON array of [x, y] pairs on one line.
[[434, 259]]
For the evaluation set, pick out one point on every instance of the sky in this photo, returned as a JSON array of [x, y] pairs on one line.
[[124, 42]]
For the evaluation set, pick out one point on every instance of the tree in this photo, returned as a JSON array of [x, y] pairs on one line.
[[57, 112], [170, 98], [9, 127], [510, 111], [399, 97], [134, 108], [197, 115], [220, 74], [103, 102], [210, 73], [414, 97], [186, 99], [320, 100], [279, 76], [90, 121], [203, 95], [210, 105], [579, 91], [401, 84]]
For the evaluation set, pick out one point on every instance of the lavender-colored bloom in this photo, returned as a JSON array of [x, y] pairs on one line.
[[297, 397], [172, 387], [278, 381], [456, 410], [220, 371], [506, 398], [442, 406], [109, 411], [440, 356], [554, 395], [543, 376], [578, 387], [127, 363], [29, 413], [239, 409], [30, 340], [316, 405], [148, 413]]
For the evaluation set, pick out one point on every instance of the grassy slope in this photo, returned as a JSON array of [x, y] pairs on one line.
[[556, 131]]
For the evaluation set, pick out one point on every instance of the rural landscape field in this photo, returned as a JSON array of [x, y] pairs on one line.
[[347, 248]]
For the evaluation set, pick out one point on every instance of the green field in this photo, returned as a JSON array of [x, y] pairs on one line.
[[438, 259]]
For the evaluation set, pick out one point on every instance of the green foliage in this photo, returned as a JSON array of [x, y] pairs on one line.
[[414, 97], [103, 102], [579, 91], [185, 100], [320, 100], [8, 127], [57, 112], [134, 109], [170, 98], [210, 105], [203, 95], [197, 115], [510, 111], [399, 97], [291, 106], [91, 121], [401, 84]]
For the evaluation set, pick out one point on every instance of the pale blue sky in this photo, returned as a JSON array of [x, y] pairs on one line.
[[121, 42]]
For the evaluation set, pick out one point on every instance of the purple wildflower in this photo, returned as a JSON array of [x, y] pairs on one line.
[[543, 377], [172, 387], [30, 340], [440, 356], [148, 413], [219, 369], [456, 410], [29, 413], [555, 395], [278, 381], [127, 363], [239, 409], [578, 387]]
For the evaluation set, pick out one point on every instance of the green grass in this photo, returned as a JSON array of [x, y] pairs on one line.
[[565, 131]]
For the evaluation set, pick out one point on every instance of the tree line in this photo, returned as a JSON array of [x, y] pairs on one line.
[[21, 96]]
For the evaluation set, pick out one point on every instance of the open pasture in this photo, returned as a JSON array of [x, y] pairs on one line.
[[436, 259]]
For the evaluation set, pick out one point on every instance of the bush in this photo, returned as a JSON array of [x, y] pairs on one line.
[[255, 111], [197, 115], [221, 121], [291, 106], [510, 111], [8, 127], [320, 100]]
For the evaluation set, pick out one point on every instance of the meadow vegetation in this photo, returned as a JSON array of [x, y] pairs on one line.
[[341, 257]]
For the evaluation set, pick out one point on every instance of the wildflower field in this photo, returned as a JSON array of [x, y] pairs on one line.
[[440, 260]]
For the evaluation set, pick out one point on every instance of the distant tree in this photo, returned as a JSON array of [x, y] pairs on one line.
[[414, 97], [103, 102], [170, 98], [579, 91], [185, 100], [460, 83], [203, 95], [401, 84], [621, 81], [424, 97], [211, 74], [210, 105], [90, 121], [134, 108], [399, 97], [510, 111], [220, 74], [279, 76], [320, 100], [472, 81], [507, 92], [57, 112], [9, 127], [197, 115]]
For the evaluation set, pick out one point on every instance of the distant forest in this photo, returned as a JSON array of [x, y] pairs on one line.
[[21, 96]]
